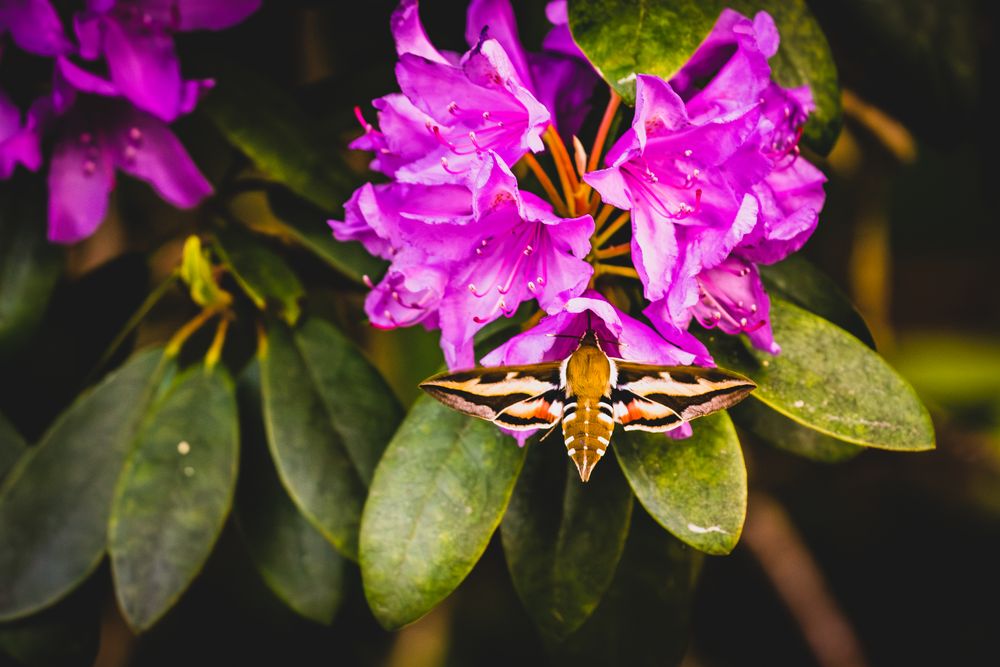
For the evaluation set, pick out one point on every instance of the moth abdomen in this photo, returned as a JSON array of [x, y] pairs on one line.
[[587, 426]]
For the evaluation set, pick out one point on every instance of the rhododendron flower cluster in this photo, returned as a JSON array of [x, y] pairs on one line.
[[102, 124], [709, 176]]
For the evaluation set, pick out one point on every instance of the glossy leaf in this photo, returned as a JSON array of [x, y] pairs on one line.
[[265, 123], [829, 381], [438, 494], [799, 281], [562, 538], [644, 618], [329, 416], [263, 275], [293, 558], [29, 265], [625, 38], [69, 478], [783, 433], [306, 225], [12, 446], [697, 487], [174, 494]]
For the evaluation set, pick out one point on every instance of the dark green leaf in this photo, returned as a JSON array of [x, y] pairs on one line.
[[798, 280], [12, 445], [329, 416], [953, 369], [623, 38], [174, 494], [307, 226], [829, 381], [644, 618], [69, 479], [263, 275], [780, 431], [697, 487], [563, 538], [262, 121], [438, 494], [29, 265], [295, 561]]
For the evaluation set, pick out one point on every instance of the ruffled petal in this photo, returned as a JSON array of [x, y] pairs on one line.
[[732, 298], [409, 294], [409, 33], [144, 147], [494, 19]]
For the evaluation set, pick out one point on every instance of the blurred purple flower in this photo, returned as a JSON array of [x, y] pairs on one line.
[[136, 39], [18, 143], [34, 26], [97, 133], [461, 260]]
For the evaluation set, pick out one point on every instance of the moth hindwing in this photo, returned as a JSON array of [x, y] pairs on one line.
[[588, 393]]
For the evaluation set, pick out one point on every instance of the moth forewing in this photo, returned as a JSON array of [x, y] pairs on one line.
[[491, 393]]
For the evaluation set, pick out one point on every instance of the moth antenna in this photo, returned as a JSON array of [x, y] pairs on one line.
[[551, 335]]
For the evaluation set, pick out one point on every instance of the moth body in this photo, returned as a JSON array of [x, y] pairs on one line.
[[588, 416]]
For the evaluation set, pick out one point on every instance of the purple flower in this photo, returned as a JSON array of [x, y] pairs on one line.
[[462, 256], [672, 174], [136, 39], [35, 26], [556, 337], [97, 133], [455, 108], [18, 143]]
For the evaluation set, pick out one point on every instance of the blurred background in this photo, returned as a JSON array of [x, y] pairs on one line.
[[878, 559]]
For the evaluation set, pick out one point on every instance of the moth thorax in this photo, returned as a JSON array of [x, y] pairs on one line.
[[587, 426]]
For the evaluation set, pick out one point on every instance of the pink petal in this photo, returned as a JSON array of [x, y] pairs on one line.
[[81, 175], [214, 14], [144, 66]]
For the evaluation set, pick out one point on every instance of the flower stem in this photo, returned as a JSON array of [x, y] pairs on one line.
[[603, 217], [180, 337], [604, 236], [614, 270], [602, 130], [614, 251], [547, 185], [215, 351], [564, 166]]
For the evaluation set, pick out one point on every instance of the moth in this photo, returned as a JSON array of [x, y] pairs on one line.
[[588, 393]]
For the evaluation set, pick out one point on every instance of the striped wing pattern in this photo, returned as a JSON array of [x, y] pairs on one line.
[[661, 398], [519, 398]]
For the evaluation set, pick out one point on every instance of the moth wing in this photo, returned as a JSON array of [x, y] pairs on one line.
[[660, 398], [515, 397]]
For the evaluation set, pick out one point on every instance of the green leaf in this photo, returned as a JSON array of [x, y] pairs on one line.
[[798, 280], [69, 479], [12, 446], [697, 487], [174, 494], [783, 433], [563, 538], [329, 416], [829, 381], [623, 38], [307, 226], [644, 618], [29, 265], [262, 121], [293, 558], [438, 494], [953, 369], [66, 634], [262, 274]]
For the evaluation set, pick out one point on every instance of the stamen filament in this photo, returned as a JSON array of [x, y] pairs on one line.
[[612, 269], [604, 236], [602, 130], [564, 167], [546, 182], [614, 251]]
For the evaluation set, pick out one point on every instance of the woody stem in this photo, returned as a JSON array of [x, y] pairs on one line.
[[546, 182]]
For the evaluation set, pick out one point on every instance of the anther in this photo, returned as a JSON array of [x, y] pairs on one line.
[[89, 167], [135, 134]]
